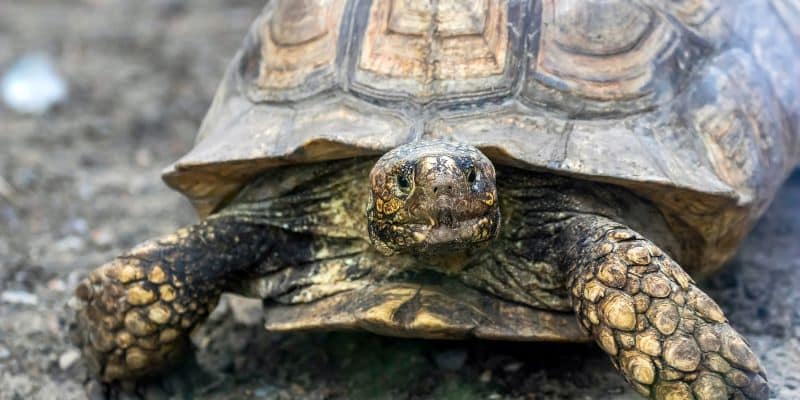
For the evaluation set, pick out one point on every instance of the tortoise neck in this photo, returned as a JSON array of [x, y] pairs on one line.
[[540, 205]]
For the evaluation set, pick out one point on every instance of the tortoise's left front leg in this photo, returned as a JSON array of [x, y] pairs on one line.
[[669, 339], [134, 314]]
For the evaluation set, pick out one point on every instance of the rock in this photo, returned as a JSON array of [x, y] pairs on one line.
[[102, 237], [57, 285], [451, 360], [245, 310], [94, 390], [513, 367], [79, 225], [4, 353], [143, 157], [19, 297], [6, 190], [265, 391], [32, 85], [220, 311], [69, 243], [68, 359]]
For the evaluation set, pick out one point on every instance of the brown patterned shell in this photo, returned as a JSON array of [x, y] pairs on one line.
[[693, 104]]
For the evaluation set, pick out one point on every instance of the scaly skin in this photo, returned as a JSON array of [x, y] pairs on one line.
[[135, 312], [667, 337]]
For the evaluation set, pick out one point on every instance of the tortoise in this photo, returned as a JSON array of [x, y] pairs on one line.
[[487, 169]]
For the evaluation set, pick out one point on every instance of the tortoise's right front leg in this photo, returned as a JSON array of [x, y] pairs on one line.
[[669, 339], [134, 313]]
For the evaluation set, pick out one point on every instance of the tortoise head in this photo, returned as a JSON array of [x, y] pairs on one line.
[[432, 196]]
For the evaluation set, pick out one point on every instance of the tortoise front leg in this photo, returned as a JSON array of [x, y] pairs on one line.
[[134, 313], [669, 339]]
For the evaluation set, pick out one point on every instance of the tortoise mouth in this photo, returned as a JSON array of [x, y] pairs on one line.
[[438, 236], [453, 234]]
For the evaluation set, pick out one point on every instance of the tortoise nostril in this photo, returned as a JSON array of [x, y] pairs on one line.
[[443, 189]]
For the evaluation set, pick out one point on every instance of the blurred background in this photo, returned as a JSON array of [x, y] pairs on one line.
[[121, 87]]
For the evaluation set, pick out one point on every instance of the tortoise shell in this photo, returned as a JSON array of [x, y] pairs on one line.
[[692, 104]]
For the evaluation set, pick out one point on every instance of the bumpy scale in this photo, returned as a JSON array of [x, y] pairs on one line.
[[137, 310], [668, 338]]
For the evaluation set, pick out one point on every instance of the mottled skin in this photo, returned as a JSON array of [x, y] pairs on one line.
[[433, 196], [430, 205]]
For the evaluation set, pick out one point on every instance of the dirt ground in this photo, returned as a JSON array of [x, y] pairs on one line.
[[81, 184]]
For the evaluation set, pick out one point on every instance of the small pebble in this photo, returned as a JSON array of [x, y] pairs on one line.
[[79, 225], [297, 390], [4, 353], [68, 359], [24, 178], [102, 237], [86, 190], [513, 367], [6, 190], [19, 297], [245, 310], [94, 390], [451, 360], [220, 312], [69, 244], [143, 157], [56, 284], [265, 391], [33, 85], [486, 376]]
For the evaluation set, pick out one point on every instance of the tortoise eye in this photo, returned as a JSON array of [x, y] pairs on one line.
[[403, 183], [472, 175]]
